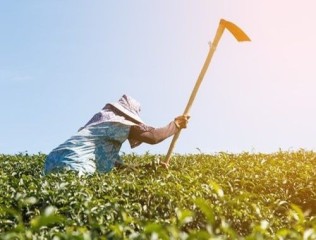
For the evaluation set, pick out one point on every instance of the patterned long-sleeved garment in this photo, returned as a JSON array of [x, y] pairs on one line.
[[96, 146]]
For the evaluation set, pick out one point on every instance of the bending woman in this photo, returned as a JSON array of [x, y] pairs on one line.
[[96, 146]]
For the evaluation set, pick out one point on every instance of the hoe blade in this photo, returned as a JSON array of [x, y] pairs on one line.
[[239, 34]]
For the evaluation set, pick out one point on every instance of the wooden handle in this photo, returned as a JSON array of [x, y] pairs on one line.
[[213, 46]]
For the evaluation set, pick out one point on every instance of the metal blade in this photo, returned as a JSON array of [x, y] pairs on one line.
[[239, 34]]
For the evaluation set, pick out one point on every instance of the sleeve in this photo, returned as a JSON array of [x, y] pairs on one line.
[[143, 133]]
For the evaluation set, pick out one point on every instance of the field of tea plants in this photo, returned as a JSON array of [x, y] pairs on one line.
[[219, 196]]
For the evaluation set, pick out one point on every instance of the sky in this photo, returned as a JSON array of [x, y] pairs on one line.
[[62, 61]]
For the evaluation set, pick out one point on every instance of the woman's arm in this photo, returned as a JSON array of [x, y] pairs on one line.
[[147, 134], [143, 133]]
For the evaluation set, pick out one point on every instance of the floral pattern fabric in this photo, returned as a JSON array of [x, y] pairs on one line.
[[93, 148]]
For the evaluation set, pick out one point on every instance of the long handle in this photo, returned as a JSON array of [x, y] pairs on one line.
[[213, 46]]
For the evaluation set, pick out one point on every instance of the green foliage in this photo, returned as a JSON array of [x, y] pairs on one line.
[[221, 196]]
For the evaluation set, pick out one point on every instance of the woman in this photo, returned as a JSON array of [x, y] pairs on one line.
[[96, 146]]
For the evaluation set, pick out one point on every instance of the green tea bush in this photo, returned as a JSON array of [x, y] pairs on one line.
[[220, 196]]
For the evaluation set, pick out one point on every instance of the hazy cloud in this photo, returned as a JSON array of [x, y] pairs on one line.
[[7, 76]]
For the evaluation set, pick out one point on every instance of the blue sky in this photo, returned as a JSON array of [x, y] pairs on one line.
[[61, 61]]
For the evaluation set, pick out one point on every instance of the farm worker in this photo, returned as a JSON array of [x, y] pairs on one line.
[[96, 145]]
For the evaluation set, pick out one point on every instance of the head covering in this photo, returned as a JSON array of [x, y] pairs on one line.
[[129, 106]]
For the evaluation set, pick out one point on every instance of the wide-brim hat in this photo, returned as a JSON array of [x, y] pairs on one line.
[[129, 106]]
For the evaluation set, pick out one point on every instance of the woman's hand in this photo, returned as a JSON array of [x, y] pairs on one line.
[[181, 121]]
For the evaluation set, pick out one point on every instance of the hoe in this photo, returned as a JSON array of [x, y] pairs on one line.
[[240, 37]]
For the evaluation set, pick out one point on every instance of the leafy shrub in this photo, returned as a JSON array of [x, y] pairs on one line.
[[220, 196]]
